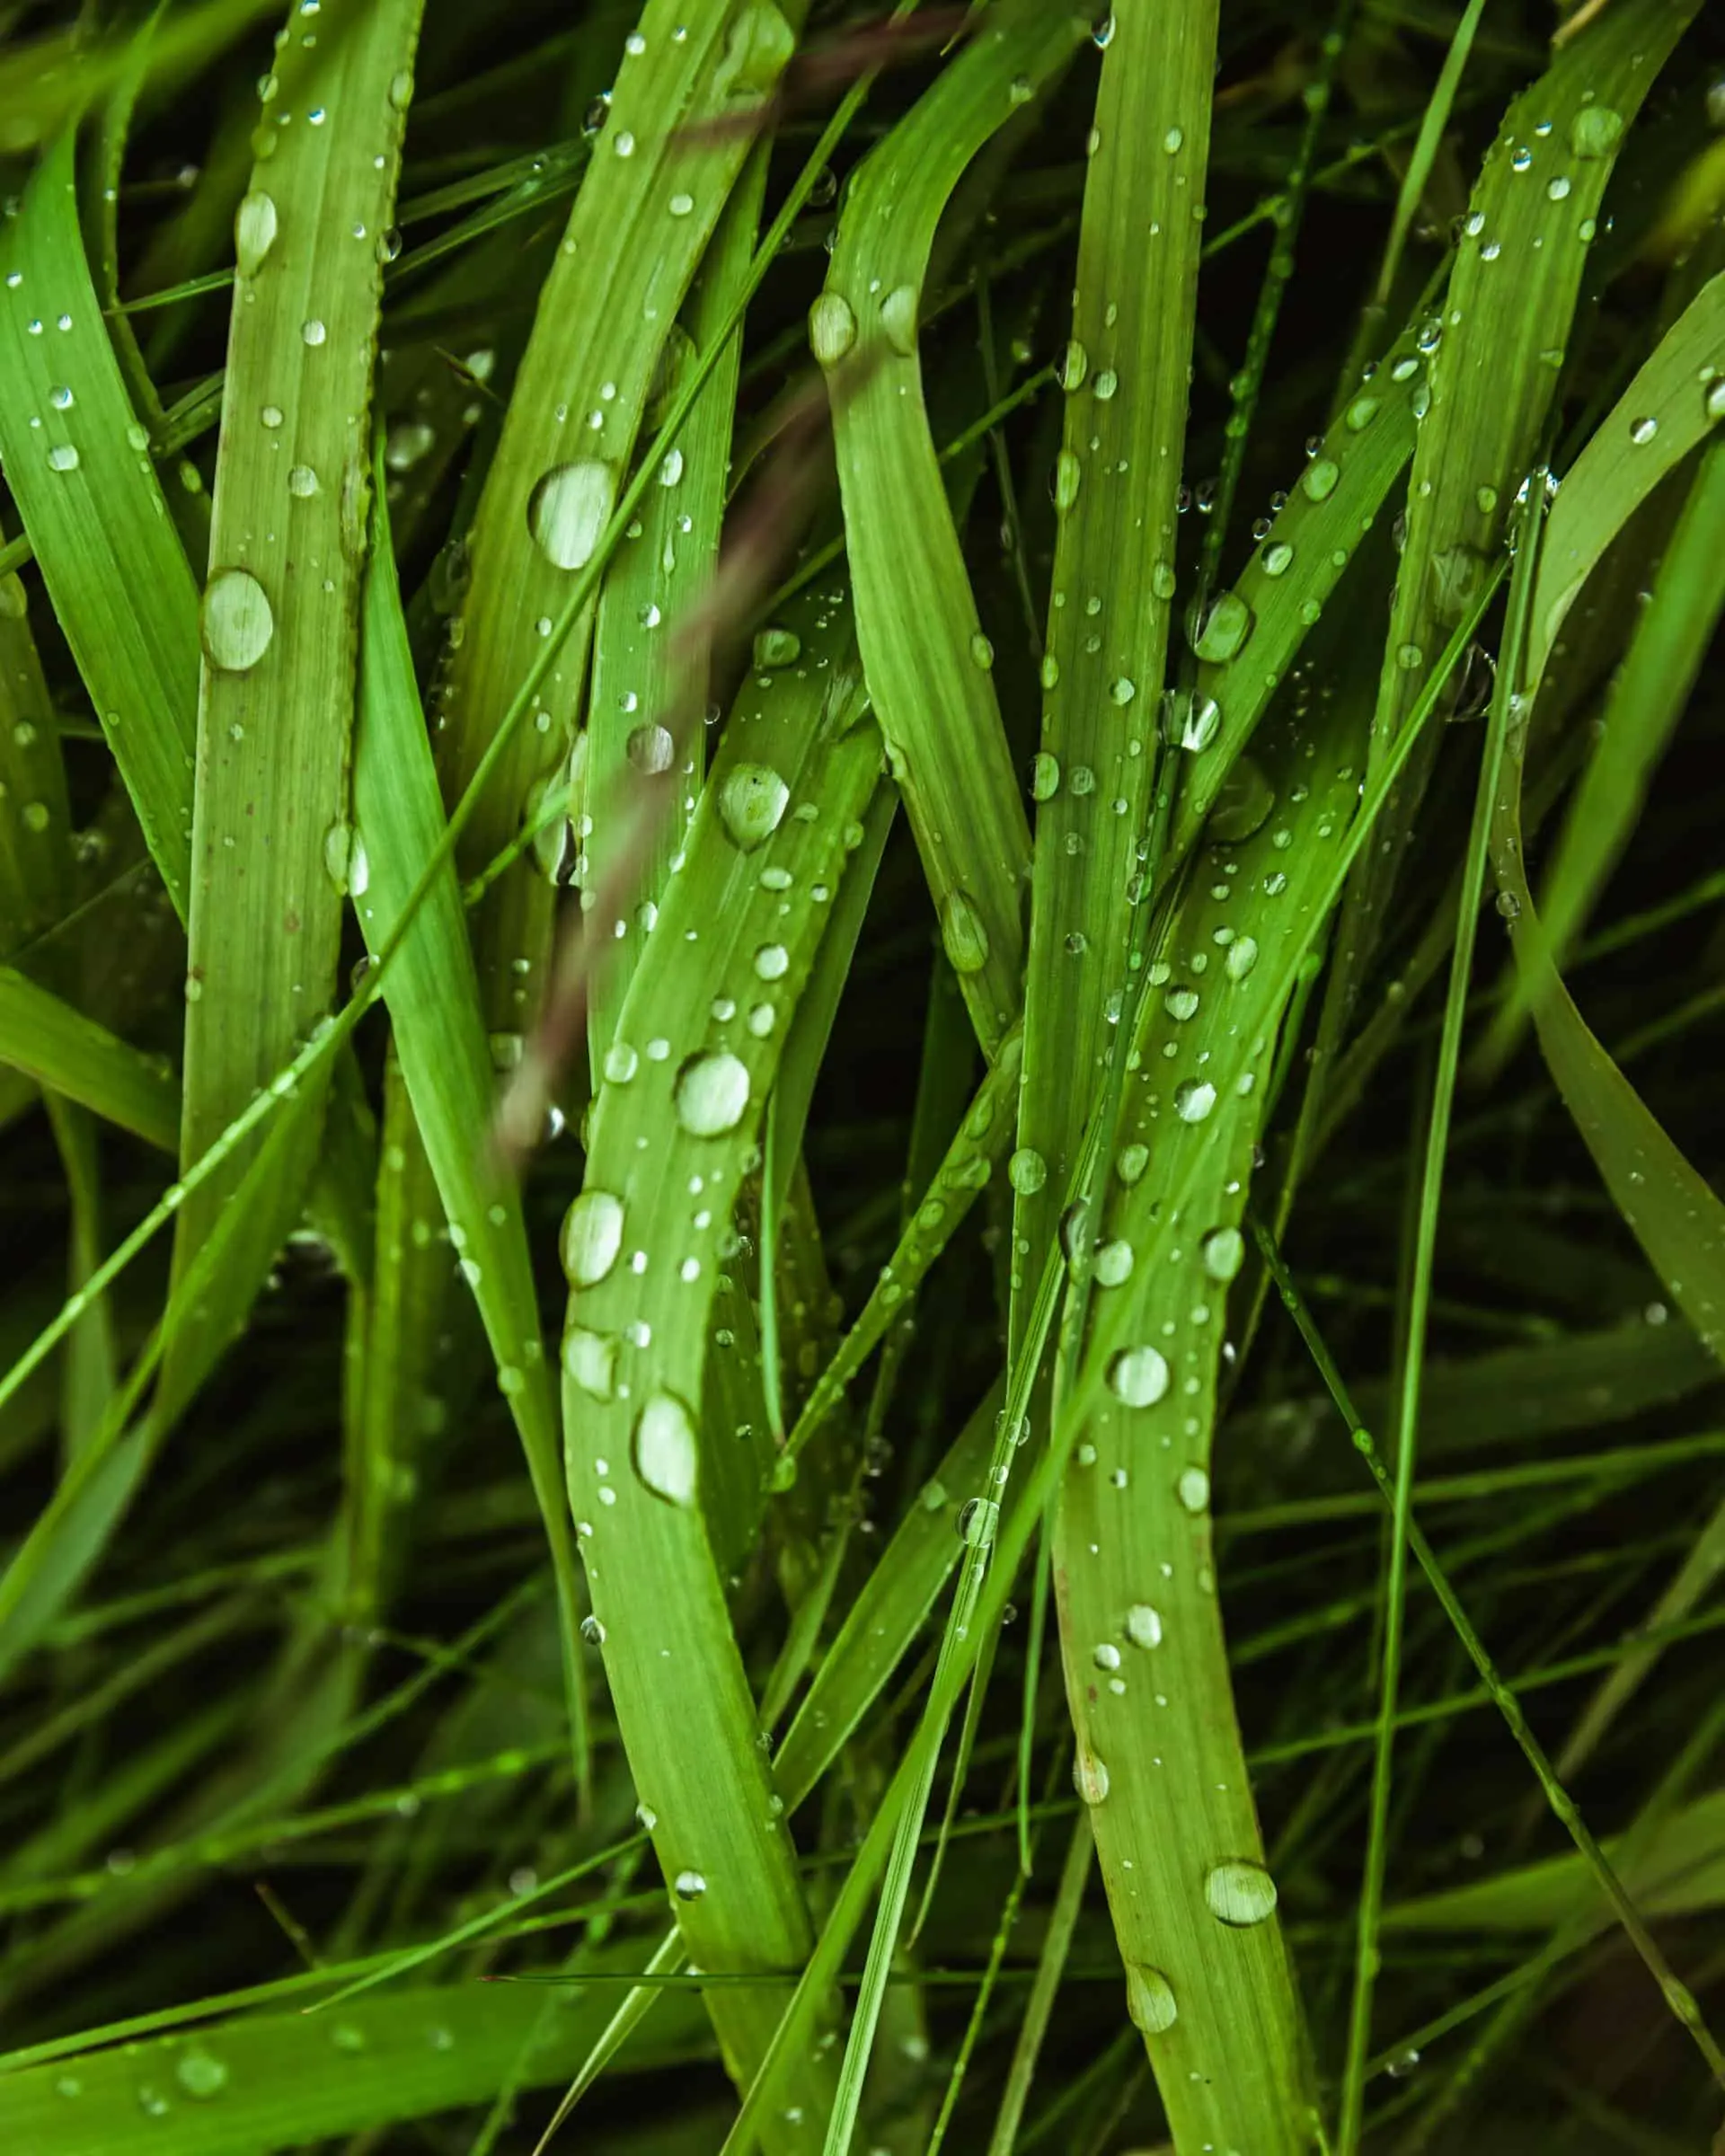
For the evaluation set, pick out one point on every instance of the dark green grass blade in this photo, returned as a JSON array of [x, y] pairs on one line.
[[70, 1053]]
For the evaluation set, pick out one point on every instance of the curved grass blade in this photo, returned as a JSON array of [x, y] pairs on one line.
[[439, 1038], [926, 659], [279, 619], [673, 1133]]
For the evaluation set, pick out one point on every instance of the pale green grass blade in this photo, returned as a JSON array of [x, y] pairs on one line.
[[277, 2080], [675, 1124], [1681, 1871], [648, 680], [95, 513], [1432, 124], [439, 1038], [647, 206], [926, 659], [1127, 372], [72, 1054], [92, 1358], [279, 620], [1493, 376], [938, 1211]]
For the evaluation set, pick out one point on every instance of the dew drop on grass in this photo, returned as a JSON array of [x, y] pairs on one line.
[[254, 231], [1596, 132], [771, 962], [962, 934], [621, 1063], [899, 318], [152, 2101], [1361, 412], [1106, 1655], [832, 328], [1224, 1253], [590, 1361], [313, 331], [1045, 776], [200, 2074], [1138, 1376], [776, 648], [1026, 1171], [982, 652], [690, 1886], [1114, 1263], [1318, 480], [651, 749], [569, 508], [1242, 803], [1143, 1626], [977, 1519], [1069, 477], [1089, 1776], [664, 1449], [302, 482], [1150, 1999], [236, 622], [63, 457], [1193, 1489], [592, 1237], [1194, 1099], [1225, 628], [711, 1093], [1131, 1164], [1240, 1893], [1180, 1003], [1074, 365], [752, 801], [1278, 558], [1642, 432]]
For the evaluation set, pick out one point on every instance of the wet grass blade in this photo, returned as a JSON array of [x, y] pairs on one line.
[[279, 619], [927, 657], [70, 1053], [439, 1039]]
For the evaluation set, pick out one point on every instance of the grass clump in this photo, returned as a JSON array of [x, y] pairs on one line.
[[956, 1479]]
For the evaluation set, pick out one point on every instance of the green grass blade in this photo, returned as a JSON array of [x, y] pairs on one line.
[[279, 620], [926, 659], [95, 513], [433, 996], [72, 1054]]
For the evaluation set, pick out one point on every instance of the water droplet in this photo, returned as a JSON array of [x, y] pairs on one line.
[[1318, 480], [977, 1519], [1089, 1776], [1074, 365], [776, 648], [153, 2101], [1225, 628], [1069, 477], [681, 205], [313, 331], [664, 1452], [1240, 1893], [1596, 132], [711, 1093], [832, 328], [236, 621], [200, 2074], [590, 1361], [982, 652], [302, 482], [1143, 1626], [63, 457], [254, 231], [752, 801], [690, 1886], [962, 934], [1243, 801], [1224, 1253], [1194, 1099], [1114, 1262], [1180, 1003], [651, 749], [1642, 432], [592, 1237], [1045, 776], [569, 508], [1138, 1376], [899, 318], [1150, 1999], [1026, 1171], [61, 398], [1193, 1489], [1173, 140], [1457, 574]]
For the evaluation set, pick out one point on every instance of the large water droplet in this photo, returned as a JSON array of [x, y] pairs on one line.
[[1225, 628], [1194, 1100], [711, 1093], [590, 1361], [1138, 1376], [1224, 1253], [776, 646], [962, 932], [1240, 1893], [200, 2074], [1045, 776], [899, 318], [592, 1237], [752, 801], [1026, 1171], [1596, 132], [1150, 1999], [254, 231], [569, 508], [63, 457], [1319, 478], [832, 328], [1143, 1626], [665, 1450], [236, 622], [1089, 1776]]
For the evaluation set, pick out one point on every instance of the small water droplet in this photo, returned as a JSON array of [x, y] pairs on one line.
[[1240, 1893], [776, 648], [1138, 1376], [752, 801], [590, 1361], [690, 1886], [200, 2074], [63, 457], [963, 934], [255, 224], [832, 328], [1193, 1489], [1224, 1253]]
